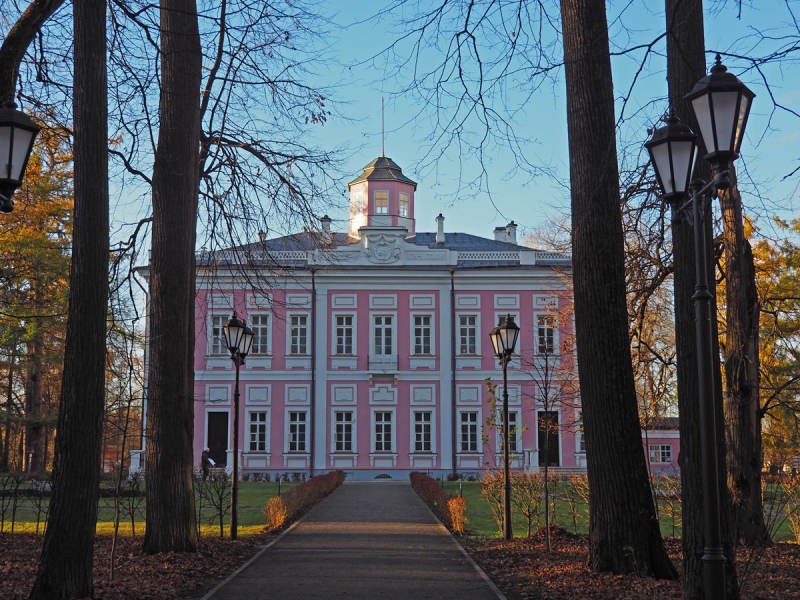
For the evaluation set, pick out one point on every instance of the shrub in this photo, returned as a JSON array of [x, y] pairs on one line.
[[300, 498], [492, 490], [458, 513], [433, 495]]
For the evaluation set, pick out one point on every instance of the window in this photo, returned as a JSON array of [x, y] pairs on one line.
[[467, 333], [514, 431], [544, 334], [422, 432], [422, 334], [298, 334], [383, 432], [260, 334], [404, 204], [469, 432], [344, 334], [383, 335], [217, 341], [343, 434], [581, 439], [381, 203], [660, 453], [258, 432], [297, 432]]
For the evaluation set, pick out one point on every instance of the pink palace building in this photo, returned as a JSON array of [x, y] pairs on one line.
[[371, 351]]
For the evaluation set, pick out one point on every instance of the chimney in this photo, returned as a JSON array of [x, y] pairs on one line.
[[511, 229], [262, 236], [440, 229], [326, 228], [500, 234]]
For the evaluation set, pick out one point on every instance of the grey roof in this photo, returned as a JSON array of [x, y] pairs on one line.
[[662, 423], [383, 168], [463, 242]]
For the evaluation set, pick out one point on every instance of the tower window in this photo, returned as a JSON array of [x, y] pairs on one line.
[[404, 203], [381, 203]]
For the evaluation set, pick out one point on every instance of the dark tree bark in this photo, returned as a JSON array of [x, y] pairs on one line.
[[17, 41], [170, 395], [624, 535], [65, 568], [9, 405], [34, 433], [685, 66], [742, 416]]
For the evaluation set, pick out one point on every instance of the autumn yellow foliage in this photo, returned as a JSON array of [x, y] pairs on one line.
[[458, 513]]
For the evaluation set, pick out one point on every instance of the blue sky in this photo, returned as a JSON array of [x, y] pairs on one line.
[[771, 149]]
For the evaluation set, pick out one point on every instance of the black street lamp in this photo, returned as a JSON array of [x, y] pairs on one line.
[[17, 133], [504, 340], [721, 104], [239, 338]]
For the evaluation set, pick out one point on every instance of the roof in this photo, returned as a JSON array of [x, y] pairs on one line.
[[662, 423], [383, 168], [464, 241]]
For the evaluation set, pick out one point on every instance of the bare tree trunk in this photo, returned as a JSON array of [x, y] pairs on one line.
[[9, 404], [624, 534], [742, 374], [65, 568], [170, 398], [685, 66], [34, 432]]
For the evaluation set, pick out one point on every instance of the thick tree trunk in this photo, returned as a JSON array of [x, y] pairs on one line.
[[741, 374], [34, 434], [623, 529], [685, 66], [170, 395], [65, 568]]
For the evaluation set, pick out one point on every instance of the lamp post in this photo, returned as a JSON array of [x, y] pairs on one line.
[[720, 104], [504, 340], [239, 338], [17, 133]]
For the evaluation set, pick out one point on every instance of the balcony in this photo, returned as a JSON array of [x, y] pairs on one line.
[[383, 363]]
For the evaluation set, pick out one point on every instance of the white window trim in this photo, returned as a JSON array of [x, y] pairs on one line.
[[375, 202], [341, 313], [659, 446], [412, 337], [518, 425], [248, 411], [354, 421], [479, 425], [372, 316], [578, 425], [412, 434], [286, 450], [377, 409], [270, 319], [296, 313], [400, 205], [556, 347], [478, 331], [209, 334]]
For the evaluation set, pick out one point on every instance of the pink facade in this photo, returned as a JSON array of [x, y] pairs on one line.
[[371, 349]]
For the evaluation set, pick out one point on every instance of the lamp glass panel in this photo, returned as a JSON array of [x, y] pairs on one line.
[[5, 150], [22, 142], [505, 338], [660, 154], [682, 156], [495, 337], [702, 111], [513, 339], [233, 331], [740, 122], [725, 117], [246, 341]]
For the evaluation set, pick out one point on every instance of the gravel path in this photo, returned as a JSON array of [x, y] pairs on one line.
[[370, 540]]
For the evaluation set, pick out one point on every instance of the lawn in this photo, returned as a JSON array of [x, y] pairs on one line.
[[482, 524], [253, 497]]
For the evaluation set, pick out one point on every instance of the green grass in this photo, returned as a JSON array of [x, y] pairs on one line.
[[253, 497], [482, 523]]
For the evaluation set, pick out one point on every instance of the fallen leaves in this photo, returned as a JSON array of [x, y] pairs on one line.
[[525, 571], [137, 576]]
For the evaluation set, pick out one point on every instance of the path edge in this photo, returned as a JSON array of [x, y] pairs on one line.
[[500, 595], [210, 594]]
